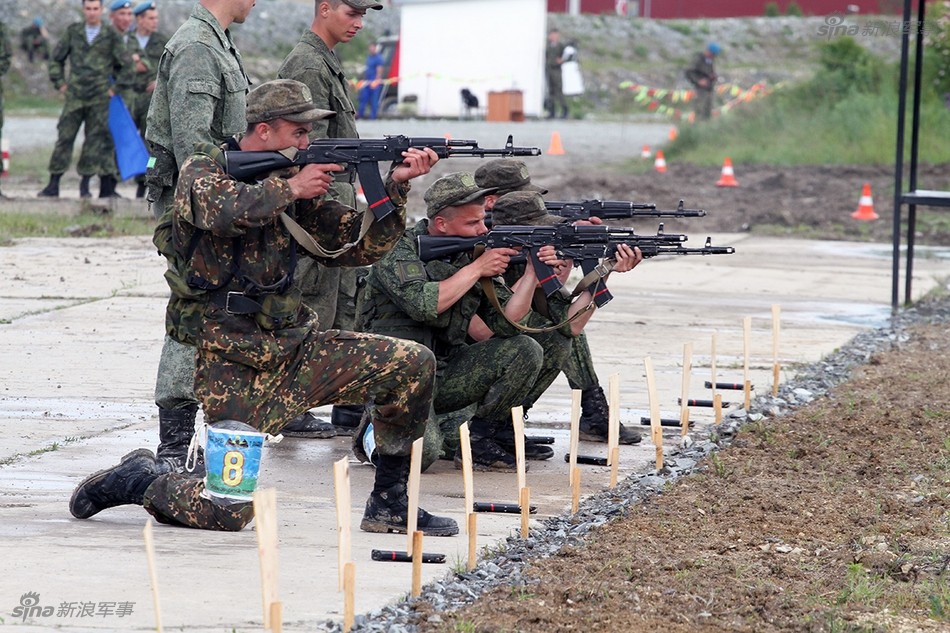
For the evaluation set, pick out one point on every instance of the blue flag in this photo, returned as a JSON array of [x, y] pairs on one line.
[[130, 152]]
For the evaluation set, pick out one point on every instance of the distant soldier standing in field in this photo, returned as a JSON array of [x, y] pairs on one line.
[[5, 54], [330, 292], [149, 45], [702, 74], [95, 52]]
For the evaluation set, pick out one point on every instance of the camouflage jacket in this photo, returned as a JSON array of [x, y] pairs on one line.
[[401, 295], [150, 57], [200, 92], [229, 238], [5, 52], [702, 68], [91, 66], [314, 64]]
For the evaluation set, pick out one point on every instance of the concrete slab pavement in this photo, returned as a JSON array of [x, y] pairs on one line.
[[80, 336]]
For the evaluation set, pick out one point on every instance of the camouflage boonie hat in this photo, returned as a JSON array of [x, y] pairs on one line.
[[364, 4], [506, 175], [452, 191], [283, 99], [522, 207]]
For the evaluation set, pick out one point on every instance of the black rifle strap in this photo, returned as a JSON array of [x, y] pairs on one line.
[[489, 289]]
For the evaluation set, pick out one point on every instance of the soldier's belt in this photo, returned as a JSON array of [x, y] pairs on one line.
[[236, 303]]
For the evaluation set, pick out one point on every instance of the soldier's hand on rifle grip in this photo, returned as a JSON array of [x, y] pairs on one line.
[[312, 180], [591, 221], [416, 162], [561, 267], [494, 261], [627, 258]]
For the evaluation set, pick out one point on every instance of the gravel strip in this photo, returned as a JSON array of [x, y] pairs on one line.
[[505, 567]]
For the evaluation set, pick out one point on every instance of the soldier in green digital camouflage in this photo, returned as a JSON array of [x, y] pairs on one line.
[[527, 208], [702, 74], [482, 358], [330, 292], [262, 359], [507, 175], [199, 97], [94, 52], [5, 54], [148, 45]]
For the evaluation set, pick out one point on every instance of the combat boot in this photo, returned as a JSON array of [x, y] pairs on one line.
[[107, 187], [52, 189], [84, 187], [594, 419], [175, 428], [346, 417], [123, 484], [487, 454], [387, 509], [309, 426]]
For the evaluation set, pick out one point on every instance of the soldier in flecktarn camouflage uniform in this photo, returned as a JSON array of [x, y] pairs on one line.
[[262, 358], [482, 358], [94, 51]]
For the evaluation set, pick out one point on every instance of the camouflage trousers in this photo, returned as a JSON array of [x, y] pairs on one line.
[[704, 104], [175, 384], [176, 499], [97, 157], [499, 374], [579, 368]]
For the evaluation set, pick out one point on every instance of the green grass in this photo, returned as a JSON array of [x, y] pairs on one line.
[[19, 225]]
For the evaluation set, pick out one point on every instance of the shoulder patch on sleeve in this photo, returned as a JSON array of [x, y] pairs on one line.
[[411, 271]]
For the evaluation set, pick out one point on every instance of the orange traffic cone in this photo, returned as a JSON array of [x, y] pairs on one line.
[[865, 205], [673, 133], [556, 149], [645, 152], [5, 150], [660, 163], [728, 177]]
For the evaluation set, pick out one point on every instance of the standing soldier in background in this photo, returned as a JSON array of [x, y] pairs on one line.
[[35, 40], [120, 14], [5, 54], [330, 292], [702, 74], [95, 52], [200, 97], [148, 45], [553, 57]]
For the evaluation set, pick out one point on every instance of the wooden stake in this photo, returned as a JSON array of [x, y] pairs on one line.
[[712, 364], [265, 522], [415, 473], [276, 617], [517, 421], [472, 541], [349, 597], [684, 398], [575, 488], [613, 416], [614, 465], [775, 330], [656, 428], [525, 499], [717, 407], [575, 432], [152, 574], [746, 336], [341, 486], [466, 443], [417, 563]]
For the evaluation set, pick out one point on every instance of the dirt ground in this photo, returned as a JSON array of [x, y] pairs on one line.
[[834, 518]]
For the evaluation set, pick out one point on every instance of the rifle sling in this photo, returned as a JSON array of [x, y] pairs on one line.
[[489, 289], [590, 280], [312, 246]]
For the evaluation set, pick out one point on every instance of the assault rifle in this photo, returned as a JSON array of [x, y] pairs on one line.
[[611, 210], [362, 156], [586, 245], [617, 210]]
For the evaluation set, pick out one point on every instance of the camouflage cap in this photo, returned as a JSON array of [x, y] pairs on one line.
[[522, 207], [283, 99], [506, 175], [364, 4], [452, 191]]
